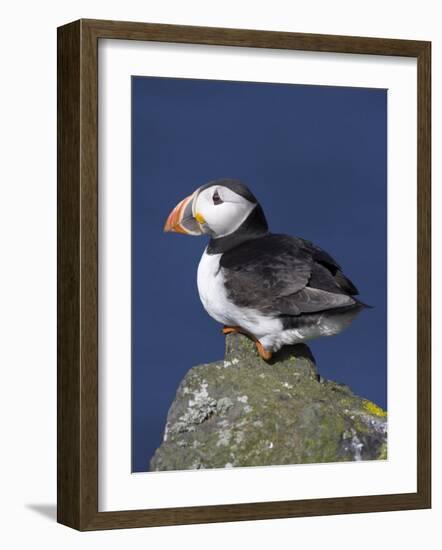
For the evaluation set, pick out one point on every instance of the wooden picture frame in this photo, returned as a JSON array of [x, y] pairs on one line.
[[78, 274]]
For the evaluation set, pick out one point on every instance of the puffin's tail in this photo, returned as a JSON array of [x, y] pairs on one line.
[[332, 320], [362, 303]]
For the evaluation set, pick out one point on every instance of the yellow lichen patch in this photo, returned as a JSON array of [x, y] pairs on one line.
[[373, 409]]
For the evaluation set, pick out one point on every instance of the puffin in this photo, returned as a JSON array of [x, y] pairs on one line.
[[277, 289]]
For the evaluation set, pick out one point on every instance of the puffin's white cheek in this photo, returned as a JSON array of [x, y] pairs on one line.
[[224, 218]]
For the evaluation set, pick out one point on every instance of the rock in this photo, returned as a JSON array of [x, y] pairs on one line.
[[243, 411]]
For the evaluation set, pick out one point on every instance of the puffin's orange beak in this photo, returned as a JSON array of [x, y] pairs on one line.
[[181, 219]]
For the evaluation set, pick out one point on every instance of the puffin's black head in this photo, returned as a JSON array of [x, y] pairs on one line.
[[221, 208]]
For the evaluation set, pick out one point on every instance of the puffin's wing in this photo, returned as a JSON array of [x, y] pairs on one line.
[[281, 275], [311, 300], [329, 266], [259, 272]]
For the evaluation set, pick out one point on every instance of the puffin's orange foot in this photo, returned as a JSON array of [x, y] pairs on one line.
[[231, 330], [264, 354]]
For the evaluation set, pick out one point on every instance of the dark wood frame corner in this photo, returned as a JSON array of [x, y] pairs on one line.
[[78, 274]]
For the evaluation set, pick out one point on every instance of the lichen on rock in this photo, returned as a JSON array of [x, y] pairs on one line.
[[243, 411]]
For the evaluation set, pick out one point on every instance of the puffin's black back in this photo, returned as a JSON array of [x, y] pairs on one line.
[[285, 275]]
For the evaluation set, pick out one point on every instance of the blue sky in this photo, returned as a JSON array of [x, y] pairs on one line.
[[315, 157]]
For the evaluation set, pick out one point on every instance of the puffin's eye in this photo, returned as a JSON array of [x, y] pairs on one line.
[[216, 198]]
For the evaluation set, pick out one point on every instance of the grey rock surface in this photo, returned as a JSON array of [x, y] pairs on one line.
[[243, 411]]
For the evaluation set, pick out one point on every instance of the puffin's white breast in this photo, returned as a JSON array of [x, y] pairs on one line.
[[211, 288], [213, 296]]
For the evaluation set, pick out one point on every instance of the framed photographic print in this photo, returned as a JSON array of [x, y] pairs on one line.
[[243, 274]]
